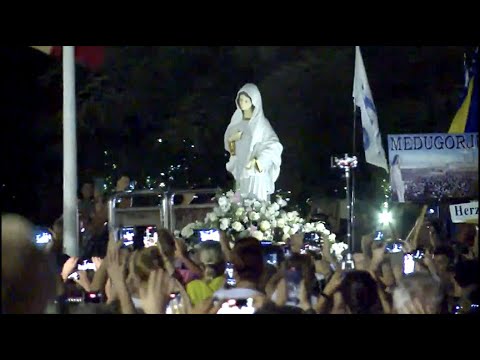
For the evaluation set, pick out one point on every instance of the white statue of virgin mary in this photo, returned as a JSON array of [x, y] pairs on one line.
[[255, 151]]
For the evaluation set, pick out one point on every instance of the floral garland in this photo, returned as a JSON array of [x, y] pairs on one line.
[[242, 216]]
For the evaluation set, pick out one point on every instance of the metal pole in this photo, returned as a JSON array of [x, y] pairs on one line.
[[349, 223], [70, 206]]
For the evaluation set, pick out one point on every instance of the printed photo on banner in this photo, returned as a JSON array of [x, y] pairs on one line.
[[433, 167]]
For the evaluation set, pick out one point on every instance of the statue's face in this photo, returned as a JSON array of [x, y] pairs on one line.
[[244, 102]]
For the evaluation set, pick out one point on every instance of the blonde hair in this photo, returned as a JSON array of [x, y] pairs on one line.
[[28, 278]]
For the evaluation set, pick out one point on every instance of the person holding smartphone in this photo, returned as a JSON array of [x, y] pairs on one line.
[[248, 265], [213, 264]]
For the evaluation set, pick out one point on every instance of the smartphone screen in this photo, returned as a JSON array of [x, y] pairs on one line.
[[419, 254], [150, 237], [271, 259], [393, 248], [175, 305], [231, 282], [74, 276], [293, 277], [237, 306], [408, 264], [311, 237], [42, 236], [209, 235], [378, 235], [86, 265], [127, 235]]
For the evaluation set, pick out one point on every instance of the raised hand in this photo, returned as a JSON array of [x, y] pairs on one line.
[[180, 249], [334, 284], [69, 267], [83, 280], [116, 266], [97, 261]]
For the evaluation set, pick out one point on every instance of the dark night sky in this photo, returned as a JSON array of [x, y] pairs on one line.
[[28, 106]]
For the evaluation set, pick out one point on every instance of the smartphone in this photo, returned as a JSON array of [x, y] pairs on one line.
[[393, 247], [127, 234], [379, 235], [419, 254], [150, 237], [42, 236], [175, 305], [271, 259], [237, 306], [86, 265], [93, 297], [293, 277], [311, 237], [209, 235], [408, 264], [231, 282], [74, 276]]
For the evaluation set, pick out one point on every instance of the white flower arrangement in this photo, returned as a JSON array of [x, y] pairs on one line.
[[242, 216], [337, 249]]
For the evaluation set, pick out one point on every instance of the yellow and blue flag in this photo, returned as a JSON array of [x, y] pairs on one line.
[[466, 118]]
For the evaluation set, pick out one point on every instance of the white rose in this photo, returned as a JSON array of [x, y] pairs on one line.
[[248, 202], [290, 216], [245, 220], [223, 201], [263, 209], [237, 226], [224, 223], [275, 206], [283, 203], [285, 237], [230, 194], [286, 229], [212, 217], [280, 223], [332, 237], [254, 216], [326, 232], [257, 205], [264, 225], [309, 227], [239, 212], [258, 235], [187, 231], [295, 228], [320, 227]]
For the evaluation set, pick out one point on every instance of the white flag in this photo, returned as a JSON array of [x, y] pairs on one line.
[[362, 97]]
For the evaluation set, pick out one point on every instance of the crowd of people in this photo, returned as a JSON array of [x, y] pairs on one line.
[[174, 276], [447, 186]]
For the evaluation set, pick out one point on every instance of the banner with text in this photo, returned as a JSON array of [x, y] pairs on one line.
[[439, 167], [464, 213]]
